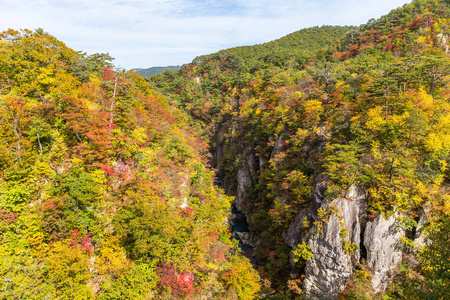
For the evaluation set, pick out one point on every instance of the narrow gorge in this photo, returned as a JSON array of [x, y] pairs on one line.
[[334, 143]]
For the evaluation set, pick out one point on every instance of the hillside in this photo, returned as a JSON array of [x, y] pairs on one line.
[[336, 153], [293, 46], [104, 188]]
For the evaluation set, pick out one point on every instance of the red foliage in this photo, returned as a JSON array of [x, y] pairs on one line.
[[86, 243], [181, 285], [90, 129], [388, 47], [372, 216], [339, 55], [349, 288], [186, 281], [53, 222], [109, 171], [187, 211], [353, 50], [74, 238], [217, 251], [108, 74], [7, 217]]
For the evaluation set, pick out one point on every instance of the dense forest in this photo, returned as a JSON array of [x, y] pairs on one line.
[[333, 141], [104, 188]]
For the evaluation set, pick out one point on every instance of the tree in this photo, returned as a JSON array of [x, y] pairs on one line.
[[435, 67]]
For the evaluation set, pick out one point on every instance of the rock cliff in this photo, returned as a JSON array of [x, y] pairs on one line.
[[382, 241], [330, 267]]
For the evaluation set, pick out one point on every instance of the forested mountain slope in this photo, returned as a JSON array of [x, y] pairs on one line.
[[104, 189], [154, 70], [335, 152]]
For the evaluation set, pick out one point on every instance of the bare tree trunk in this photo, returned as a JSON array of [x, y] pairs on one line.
[[40, 145]]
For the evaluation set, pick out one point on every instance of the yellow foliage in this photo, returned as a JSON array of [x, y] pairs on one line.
[[398, 120], [45, 77], [139, 135], [426, 100], [313, 106], [437, 142], [99, 177], [446, 204], [67, 268], [341, 85], [242, 278], [375, 120], [111, 259], [94, 79]]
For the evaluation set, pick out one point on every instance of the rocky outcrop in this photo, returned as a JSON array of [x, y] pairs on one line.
[[327, 271], [297, 232], [356, 193], [382, 241], [443, 39], [244, 180], [330, 267], [420, 237], [277, 146]]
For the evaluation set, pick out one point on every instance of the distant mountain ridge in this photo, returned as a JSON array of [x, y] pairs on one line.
[[154, 70]]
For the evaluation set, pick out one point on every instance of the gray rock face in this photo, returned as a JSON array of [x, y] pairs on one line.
[[296, 233], [244, 180], [319, 192], [382, 241], [262, 161], [350, 212], [420, 238], [356, 193], [277, 147], [330, 267]]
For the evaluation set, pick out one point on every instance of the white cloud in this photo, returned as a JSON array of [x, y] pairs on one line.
[[143, 33]]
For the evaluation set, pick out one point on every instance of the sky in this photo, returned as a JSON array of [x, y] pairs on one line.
[[147, 33]]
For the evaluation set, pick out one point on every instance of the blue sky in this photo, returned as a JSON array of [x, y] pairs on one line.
[[146, 33]]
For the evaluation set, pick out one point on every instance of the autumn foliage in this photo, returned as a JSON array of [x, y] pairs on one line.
[[94, 165]]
